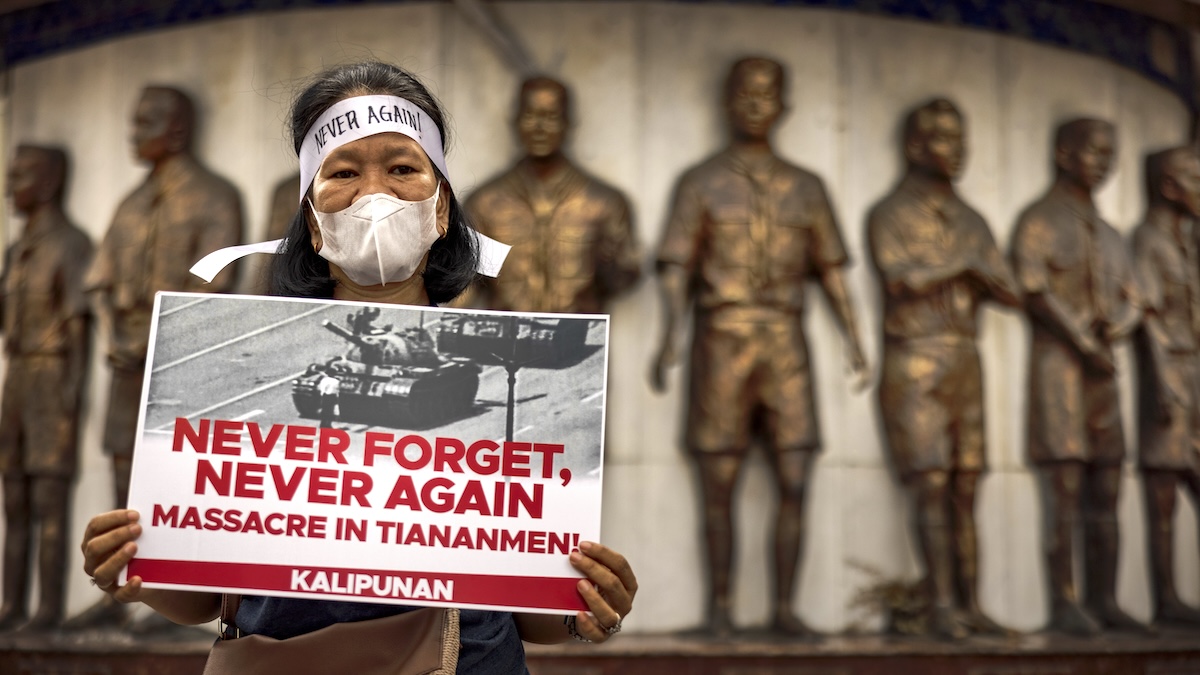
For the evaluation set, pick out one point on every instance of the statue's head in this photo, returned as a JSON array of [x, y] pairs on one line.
[[933, 139], [1173, 178], [754, 97], [162, 124], [36, 177], [543, 114], [1084, 150]]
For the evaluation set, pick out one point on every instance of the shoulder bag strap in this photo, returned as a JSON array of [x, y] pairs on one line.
[[227, 624]]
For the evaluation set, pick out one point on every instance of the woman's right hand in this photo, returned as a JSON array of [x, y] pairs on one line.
[[108, 546]]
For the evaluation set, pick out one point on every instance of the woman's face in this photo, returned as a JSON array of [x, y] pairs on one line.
[[388, 163]]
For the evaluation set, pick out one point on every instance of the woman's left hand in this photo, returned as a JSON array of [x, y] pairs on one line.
[[608, 590]]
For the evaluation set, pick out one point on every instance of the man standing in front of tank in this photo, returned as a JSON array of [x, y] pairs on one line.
[[745, 234]]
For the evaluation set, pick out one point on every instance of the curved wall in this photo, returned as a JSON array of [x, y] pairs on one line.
[[646, 79]]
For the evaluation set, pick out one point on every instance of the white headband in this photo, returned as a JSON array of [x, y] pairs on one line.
[[361, 116]]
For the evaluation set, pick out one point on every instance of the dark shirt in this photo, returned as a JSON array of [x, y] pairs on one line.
[[490, 644]]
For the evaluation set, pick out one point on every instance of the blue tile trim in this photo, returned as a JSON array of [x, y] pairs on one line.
[[1119, 35]]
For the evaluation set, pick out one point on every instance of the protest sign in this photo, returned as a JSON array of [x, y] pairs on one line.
[[365, 452]]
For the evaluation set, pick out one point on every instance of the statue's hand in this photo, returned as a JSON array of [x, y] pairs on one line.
[[108, 546], [1096, 357], [665, 360]]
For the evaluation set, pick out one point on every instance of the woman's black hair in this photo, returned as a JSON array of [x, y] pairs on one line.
[[297, 270]]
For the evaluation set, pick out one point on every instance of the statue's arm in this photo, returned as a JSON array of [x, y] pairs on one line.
[[620, 264], [1147, 270], [901, 274], [843, 309], [678, 256], [1033, 243], [76, 315], [673, 287], [1131, 310], [994, 274]]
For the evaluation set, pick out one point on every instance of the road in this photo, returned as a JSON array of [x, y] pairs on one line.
[[222, 358]]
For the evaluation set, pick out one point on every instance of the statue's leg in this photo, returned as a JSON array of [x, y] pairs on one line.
[[966, 550], [718, 475], [1103, 537], [793, 470], [932, 512], [1062, 493], [13, 611], [107, 613], [50, 505], [1160, 511]]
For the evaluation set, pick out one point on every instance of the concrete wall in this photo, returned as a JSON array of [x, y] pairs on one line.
[[646, 79]]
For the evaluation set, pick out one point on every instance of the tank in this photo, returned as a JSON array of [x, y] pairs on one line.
[[390, 378], [524, 341]]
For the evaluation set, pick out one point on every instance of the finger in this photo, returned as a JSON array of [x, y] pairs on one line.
[[102, 547], [130, 591], [107, 573], [613, 561], [106, 522], [600, 608], [587, 626], [608, 582]]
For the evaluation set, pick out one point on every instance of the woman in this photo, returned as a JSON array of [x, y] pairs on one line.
[[378, 222]]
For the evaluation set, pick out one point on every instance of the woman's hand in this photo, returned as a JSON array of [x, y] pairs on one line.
[[608, 590], [109, 543], [108, 546]]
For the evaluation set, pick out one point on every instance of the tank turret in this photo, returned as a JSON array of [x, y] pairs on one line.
[[392, 378]]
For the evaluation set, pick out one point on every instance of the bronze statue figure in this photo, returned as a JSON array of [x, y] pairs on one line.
[[1080, 295], [181, 212], [937, 262], [45, 322], [745, 233], [1168, 351], [573, 241]]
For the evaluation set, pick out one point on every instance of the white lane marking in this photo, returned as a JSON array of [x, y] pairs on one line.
[[518, 431], [235, 399], [252, 413], [594, 472], [592, 397], [184, 306], [239, 338]]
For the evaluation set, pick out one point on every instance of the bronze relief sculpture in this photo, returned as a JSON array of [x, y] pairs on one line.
[[1168, 351], [937, 262], [746, 232], [181, 212], [573, 242], [1081, 298], [45, 321]]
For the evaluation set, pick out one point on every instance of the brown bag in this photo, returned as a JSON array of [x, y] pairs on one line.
[[419, 642]]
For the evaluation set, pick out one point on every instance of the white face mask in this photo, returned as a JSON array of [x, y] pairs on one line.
[[378, 239]]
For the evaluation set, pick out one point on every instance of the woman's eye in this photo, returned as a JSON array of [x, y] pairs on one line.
[[345, 173], [403, 169]]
